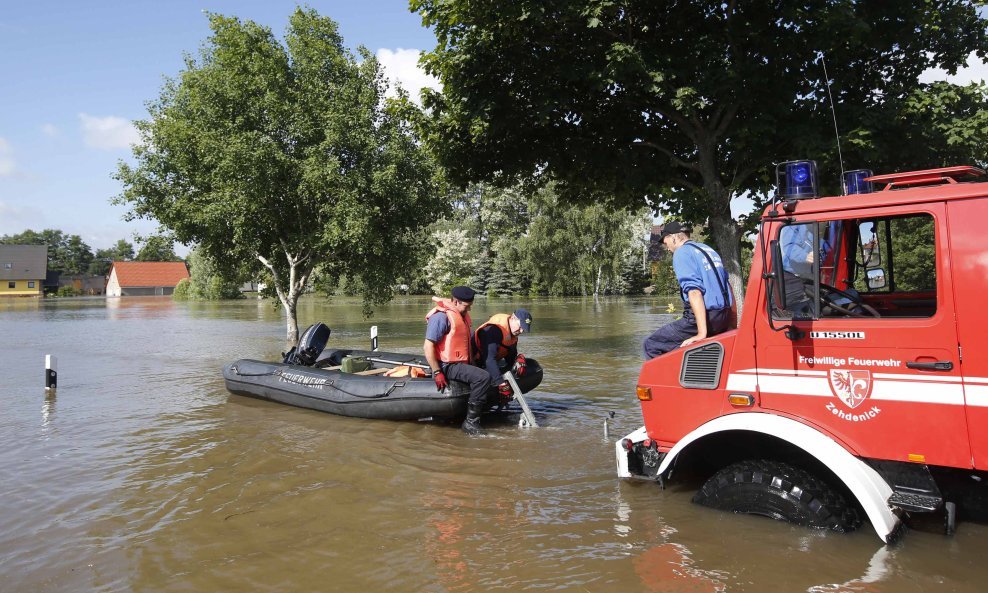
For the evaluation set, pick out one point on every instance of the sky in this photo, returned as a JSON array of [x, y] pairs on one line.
[[74, 75]]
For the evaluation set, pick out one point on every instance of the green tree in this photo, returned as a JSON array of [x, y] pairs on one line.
[[498, 217], [157, 248], [664, 277], [571, 249], [938, 125], [286, 155], [505, 278], [209, 282], [680, 106], [122, 250], [454, 259]]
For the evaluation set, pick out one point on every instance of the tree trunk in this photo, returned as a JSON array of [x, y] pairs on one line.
[[291, 314], [723, 228], [724, 231], [298, 274]]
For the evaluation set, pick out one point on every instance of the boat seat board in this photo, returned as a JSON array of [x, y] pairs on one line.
[[371, 372]]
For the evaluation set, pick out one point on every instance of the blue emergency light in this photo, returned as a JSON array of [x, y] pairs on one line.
[[797, 180], [854, 182]]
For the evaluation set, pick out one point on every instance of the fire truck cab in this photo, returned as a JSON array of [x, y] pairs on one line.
[[855, 386]]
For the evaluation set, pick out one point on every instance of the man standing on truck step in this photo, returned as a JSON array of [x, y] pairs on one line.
[[447, 347], [497, 340], [707, 298]]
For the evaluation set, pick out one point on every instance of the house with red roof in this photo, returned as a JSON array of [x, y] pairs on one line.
[[144, 278]]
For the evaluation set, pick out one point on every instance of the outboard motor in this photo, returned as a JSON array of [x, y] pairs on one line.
[[310, 346]]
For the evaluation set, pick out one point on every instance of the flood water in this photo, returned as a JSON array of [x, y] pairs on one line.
[[142, 473]]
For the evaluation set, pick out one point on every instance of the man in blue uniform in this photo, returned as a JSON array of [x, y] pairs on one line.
[[796, 242], [707, 298]]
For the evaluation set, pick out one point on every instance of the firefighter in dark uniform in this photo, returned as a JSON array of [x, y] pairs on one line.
[[496, 346]]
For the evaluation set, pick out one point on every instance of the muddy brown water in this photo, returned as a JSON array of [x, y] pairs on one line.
[[142, 473]]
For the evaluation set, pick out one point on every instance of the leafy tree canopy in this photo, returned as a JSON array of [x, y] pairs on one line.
[[157, 248], [681, 106], [286, 155], [206, 282], [122, 250]]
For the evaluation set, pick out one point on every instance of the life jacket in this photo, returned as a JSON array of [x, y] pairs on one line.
[[507, 340], [455, 345]]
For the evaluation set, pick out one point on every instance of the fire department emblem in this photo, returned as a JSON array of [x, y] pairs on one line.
[[851, 387]]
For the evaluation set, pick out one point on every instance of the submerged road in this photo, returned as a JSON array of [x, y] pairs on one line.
[[142, 473]]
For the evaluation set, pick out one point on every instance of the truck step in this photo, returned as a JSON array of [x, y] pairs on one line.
[[915, 503]]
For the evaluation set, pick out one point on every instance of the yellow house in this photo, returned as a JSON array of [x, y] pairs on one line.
[[22, 270]]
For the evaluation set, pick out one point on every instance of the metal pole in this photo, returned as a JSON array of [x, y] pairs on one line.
[[51, 372], [527, 417]]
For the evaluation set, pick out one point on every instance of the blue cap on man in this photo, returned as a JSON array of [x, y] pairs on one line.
[[524, 319]]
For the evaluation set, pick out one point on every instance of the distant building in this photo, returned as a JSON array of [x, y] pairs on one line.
[[84, 283], [23, 269], [656, 250], [137, 278]]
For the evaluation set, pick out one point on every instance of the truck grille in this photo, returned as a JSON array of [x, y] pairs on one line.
[[701, 367]]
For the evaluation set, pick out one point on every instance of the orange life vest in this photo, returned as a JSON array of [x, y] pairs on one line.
[[455, 345], [507, 340]]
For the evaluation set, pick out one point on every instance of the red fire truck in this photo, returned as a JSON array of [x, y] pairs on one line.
[[855, 386]]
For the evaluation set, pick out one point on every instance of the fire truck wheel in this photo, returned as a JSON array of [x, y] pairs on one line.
[[780, 491]]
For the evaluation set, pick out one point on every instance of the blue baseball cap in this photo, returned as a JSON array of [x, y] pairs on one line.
[[524, 319]]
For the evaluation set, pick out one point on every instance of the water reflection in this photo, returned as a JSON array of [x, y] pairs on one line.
[[878, 569], [669, 567], [48, 409]]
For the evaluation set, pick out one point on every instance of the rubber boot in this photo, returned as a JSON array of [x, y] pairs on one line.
[[471, 425]]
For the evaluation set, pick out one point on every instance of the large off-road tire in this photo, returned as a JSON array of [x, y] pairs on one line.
[[780, 491]]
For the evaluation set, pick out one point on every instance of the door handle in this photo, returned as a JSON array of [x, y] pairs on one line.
[[940, 365]]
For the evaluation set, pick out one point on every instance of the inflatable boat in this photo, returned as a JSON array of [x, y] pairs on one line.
[[362, 383]]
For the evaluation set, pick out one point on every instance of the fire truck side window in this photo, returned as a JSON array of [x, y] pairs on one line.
[[874, 267], [895, 265]]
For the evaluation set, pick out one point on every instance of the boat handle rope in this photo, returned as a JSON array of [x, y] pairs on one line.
[[267, 374], [329, 383], [376, 396]]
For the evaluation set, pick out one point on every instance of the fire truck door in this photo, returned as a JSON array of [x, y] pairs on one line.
[[886, 384], [968, 248]]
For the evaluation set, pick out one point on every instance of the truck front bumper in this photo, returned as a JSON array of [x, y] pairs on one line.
[[637, 456]]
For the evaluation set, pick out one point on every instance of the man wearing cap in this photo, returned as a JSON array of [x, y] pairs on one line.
[[447, 347], [707, 298], [497, 340]]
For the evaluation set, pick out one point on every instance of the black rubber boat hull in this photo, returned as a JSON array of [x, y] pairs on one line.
[[362, 396]]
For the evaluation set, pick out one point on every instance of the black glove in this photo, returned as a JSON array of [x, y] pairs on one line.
[[440, 379]]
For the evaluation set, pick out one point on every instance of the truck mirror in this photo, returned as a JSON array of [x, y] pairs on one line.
[[876, 278], [776, 284], [871, 251]]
